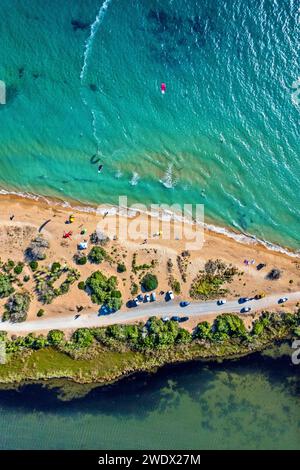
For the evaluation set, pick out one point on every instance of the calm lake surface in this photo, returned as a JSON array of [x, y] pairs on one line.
[[250, 403]]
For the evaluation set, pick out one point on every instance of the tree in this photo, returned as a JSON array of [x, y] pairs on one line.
[[6, 287], [149, 282], [204, 331], [121, 268], [104, 290], [97, 255], [33, 265], [83, 337], [229, 325], [17, 307], [55, 337]]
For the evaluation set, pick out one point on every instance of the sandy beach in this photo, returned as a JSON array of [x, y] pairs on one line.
[[21, 219]]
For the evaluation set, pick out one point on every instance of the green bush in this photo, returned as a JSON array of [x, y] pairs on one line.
[[203, 331], [55, 267], [134, 289], [121, 268], [175, 285], [55, 337], [6, 287], [103, 290], [81, 260], [33, 265], [40, 312], [17, 307], [81, 285], [149, 282], [97, 255], [229, 325], [82, 337], [19, 268], [26, 278]]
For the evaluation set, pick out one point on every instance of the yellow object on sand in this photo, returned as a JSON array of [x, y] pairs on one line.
[[71, 218]]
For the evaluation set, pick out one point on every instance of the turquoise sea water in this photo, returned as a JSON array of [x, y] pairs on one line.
[[226, 133], [249, 404]]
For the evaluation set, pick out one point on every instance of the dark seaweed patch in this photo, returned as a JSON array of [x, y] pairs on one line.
[[77, 24], [21, 71], [93, 87]]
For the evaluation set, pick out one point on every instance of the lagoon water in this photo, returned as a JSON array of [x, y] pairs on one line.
[[252, 403], [83, 83]]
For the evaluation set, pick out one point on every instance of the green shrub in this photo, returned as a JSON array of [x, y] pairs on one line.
[[17, 307], [40, 312], [149, 282], [81, 285], [33, 265], [176, 286], [121, 268], [26, 278], [103, 290], [134, 289], [203, 331], [55, 337], [81, 260], [82, 337], [55, 267], [6, 287], [97, 255], [19, 268]]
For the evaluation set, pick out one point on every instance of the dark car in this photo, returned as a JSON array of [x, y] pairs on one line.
[[260, 266], [175, 318], [185, 303], [242, 300], [245, 309], [182, 319]]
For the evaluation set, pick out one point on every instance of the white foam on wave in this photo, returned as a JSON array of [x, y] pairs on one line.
[[135, 178], [243, 238], [90, 40], [167, 181]]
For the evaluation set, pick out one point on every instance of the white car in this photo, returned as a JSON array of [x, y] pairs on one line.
[[136, 301], [221, 302], [147, 298], [282, 300], [165, 319], [170, 295]]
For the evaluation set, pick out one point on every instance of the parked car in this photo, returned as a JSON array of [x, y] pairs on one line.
[[221, 302], [153, 297], [245, 309], [184, 303], [183, 319], [260, 266], [242, 300], [170, 295], [136, 301], [165, 319], [261, 295], [140, 297], [147, 298], [175, 318], [282, 300]]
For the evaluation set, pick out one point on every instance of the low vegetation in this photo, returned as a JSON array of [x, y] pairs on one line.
[[6, 287], [46, 279], [208, 283]]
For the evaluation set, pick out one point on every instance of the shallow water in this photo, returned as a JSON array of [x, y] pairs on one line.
[[251, 403], [225, 133]]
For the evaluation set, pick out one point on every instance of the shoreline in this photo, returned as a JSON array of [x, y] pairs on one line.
[[223, 231]]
